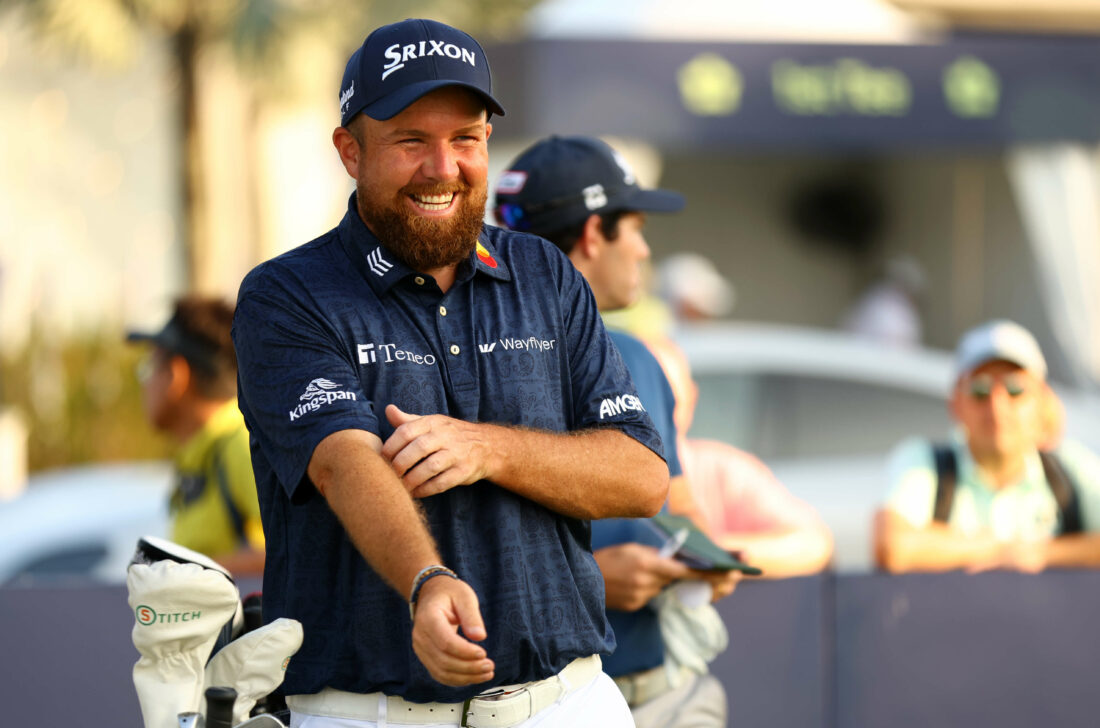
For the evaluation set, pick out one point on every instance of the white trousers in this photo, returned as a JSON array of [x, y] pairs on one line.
[[599, 704], [699, 703]]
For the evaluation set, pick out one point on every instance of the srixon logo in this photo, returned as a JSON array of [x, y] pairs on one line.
[[398, 55], [147, 616]]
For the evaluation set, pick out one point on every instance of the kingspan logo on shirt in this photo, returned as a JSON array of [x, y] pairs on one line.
[[615, 406], [399, 55], [320, 392]]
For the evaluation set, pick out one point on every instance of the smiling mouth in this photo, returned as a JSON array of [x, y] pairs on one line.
[[433, 203]]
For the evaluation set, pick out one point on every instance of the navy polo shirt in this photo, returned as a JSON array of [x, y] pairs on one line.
[[330, 333], [638, 633]]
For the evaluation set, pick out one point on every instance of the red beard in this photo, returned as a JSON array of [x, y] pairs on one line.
[[426, 243]]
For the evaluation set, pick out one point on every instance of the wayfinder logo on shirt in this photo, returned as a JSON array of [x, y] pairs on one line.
[[320, 392]]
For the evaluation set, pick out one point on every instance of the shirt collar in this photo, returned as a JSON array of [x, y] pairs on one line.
[[382, 269]]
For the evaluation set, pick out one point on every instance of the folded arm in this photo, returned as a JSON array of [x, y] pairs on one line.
[[900, 546], [784, 553], [598, 473]]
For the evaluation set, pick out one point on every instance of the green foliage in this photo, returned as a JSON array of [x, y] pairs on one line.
[[81, 401]]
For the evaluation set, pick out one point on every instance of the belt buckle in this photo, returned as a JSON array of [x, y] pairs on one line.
[[492, 696]]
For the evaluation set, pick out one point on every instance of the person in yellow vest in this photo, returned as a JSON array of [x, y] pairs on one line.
[[189, 387]]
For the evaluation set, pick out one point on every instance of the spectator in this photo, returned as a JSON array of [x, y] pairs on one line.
[[581, 195], [189, 386], [889, 310], [745, 506], [990, 498], [693, 288]]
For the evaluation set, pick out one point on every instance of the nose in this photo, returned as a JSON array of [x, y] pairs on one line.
[[1000, 401], [441, 163]]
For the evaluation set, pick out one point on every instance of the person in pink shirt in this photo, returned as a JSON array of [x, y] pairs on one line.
[[744, 505]]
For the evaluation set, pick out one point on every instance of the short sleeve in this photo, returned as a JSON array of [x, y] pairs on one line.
[[912, 474], [296, 384]]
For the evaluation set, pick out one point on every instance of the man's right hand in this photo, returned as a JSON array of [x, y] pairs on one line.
[[634, 573], [442, 607]]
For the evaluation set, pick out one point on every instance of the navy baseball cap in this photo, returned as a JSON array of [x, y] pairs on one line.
[[400, 62], [198, 351], [559, 181]]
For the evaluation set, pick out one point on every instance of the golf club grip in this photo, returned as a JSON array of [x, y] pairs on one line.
[[219, 707]]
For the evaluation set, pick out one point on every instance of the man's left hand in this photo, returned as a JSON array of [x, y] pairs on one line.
[[722, 583], [434, 453]]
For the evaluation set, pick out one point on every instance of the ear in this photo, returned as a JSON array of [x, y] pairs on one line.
[[180, 377], [591, 240], [348, 149]]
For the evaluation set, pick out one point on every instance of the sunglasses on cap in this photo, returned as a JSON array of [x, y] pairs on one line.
[[981, 386]]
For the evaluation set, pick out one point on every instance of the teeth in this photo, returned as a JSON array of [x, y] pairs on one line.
[[434, 202]]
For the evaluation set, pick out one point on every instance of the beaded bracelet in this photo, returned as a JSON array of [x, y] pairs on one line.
[[421, 577]]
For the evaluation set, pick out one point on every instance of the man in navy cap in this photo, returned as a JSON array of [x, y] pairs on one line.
[[581, 194], [992, 497], [436, 414]]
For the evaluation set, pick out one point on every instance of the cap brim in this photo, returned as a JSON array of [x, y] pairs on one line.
[[136, 336], [655, 201], [393, 104]]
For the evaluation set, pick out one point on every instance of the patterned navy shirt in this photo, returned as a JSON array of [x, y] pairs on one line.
[[330, 333]]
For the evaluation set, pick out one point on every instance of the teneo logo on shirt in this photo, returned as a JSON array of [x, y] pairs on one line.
[[147, 616], [399, 55], [614, 406], [368, 354], [531, 343], [320, 392]]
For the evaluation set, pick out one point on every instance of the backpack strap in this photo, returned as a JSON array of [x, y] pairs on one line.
[[947, 475], [1064, 491], [231, 508]]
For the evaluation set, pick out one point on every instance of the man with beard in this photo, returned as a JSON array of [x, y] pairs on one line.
[[436, 413]]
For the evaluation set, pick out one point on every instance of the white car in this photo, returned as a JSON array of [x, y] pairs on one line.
[[823, 408], [80, 525]]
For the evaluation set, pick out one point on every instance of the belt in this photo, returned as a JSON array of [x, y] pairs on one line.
[[640, 687], [500, 707]]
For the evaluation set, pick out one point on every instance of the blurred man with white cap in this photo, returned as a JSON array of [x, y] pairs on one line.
[[693, 288], [991, 498]]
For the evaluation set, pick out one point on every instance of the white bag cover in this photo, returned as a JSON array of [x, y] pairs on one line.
[[179, 610], [693, 635], [255, 663]]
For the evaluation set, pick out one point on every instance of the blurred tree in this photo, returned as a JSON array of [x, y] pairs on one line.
[[79, 398], [110, 33]]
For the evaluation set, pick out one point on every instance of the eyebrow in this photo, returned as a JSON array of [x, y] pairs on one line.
[[476, 127]]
